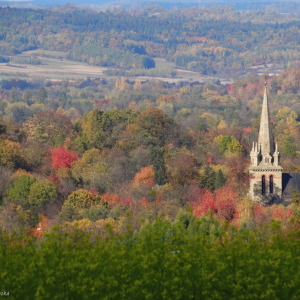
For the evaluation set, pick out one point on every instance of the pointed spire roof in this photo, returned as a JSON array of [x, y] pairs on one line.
[[265, 139]]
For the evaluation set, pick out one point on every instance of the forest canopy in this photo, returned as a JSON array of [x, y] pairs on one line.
[[92, 53]]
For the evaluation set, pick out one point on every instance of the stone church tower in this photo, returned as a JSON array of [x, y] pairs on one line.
[[265, 172]]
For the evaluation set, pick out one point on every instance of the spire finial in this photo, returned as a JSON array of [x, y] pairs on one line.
[[265, 80]]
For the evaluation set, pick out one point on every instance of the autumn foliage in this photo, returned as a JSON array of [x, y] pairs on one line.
[[110, 198], [61, 158], [145, 176], [40, 229], [113, 199], [222, 204], [225, 204]]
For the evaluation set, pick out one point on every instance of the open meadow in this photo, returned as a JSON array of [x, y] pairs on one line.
[[56, 66]]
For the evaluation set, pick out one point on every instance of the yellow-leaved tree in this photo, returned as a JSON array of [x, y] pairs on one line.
[[286, 115], [92, 170], [11, 155], [80, 203]]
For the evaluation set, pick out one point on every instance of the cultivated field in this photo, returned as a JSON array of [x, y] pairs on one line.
[[56, 66]]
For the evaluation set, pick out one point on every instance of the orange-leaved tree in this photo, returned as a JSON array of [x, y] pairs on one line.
[[145, 176], [110, 198]]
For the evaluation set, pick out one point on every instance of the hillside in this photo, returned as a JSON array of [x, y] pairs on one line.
[[208, 41], [125, 140]]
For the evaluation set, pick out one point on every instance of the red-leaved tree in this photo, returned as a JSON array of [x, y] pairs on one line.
[[204, 204], [144, 202], [222, 204], [226, 210], [282, 214], [126, 201], [262, 214], [61, 158]]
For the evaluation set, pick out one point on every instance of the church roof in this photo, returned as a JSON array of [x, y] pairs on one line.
[[290, 181]]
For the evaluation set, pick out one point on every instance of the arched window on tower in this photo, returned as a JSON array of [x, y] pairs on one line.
[[263, 185], [271, 184]]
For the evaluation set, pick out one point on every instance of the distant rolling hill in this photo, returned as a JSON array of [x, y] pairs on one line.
[[279, 6]]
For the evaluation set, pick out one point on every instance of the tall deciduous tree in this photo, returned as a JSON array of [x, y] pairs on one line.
[[102, 129], [154, 124], [145, 176], [19, 191], [49, 127], [182, 169], [42, 192], [11, 155], [61, 158]]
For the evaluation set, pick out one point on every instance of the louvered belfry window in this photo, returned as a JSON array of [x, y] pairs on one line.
[[263, 185]]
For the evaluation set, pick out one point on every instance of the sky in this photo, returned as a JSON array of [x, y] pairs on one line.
[[163, 3]]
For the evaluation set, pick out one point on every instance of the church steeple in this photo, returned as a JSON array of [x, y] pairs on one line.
[[265, 139], [265, 172]]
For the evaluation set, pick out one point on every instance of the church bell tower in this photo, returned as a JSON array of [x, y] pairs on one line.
[[265, 172]]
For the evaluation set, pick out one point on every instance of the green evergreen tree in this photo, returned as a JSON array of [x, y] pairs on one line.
[[13, 95], [28, 97], [159, 166], [62, 98], [220, 180], [226, 140], [208, 180], [3, 106], [42, 95], [185, 218]]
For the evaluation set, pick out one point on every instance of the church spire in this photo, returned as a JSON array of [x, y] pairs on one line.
[[265, 140], [265, 172]]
